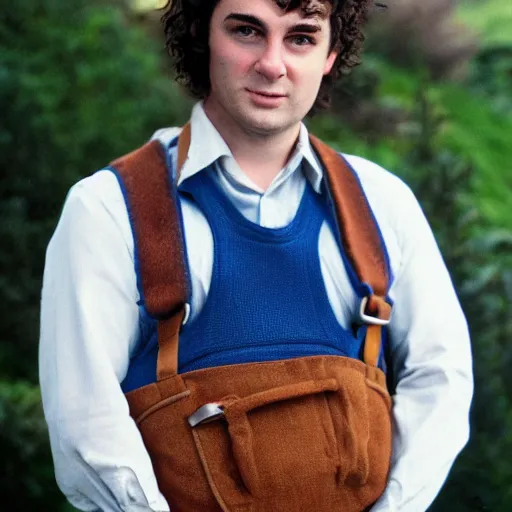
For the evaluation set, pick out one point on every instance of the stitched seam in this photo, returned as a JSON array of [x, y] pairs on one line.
[[209, 477], [161, 404], [385, 396]]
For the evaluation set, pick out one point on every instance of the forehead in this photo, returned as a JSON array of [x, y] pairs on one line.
[[290, 11]]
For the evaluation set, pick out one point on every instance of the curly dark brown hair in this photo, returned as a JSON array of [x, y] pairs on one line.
[[186, 27]]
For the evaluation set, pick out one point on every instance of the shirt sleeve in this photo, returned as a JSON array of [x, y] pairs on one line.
[[431, 359], [89, 325]]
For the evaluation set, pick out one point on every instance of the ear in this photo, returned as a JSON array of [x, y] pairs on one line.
[[330, 62]]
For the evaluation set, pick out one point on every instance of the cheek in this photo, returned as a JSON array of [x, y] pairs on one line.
[[229, 61], [307, 73]]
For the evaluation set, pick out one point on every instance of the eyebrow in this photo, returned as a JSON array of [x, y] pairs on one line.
[[248, 18]]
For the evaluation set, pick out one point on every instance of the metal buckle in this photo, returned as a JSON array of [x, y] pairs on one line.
[[370, 319], [205, 414], [186, 315]]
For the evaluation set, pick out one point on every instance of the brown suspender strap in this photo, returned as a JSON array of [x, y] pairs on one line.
[[358, 230], [168, 342], [372, 344], [361, 241], [158, 245], [183, 145]]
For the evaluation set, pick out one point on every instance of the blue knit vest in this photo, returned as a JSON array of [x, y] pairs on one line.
[[267, 299]]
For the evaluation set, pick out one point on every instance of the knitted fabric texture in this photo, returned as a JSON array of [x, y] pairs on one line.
[[277, 310]]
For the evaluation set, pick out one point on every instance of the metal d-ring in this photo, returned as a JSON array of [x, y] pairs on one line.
[[205, 414]]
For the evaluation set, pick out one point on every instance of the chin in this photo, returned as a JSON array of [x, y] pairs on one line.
[[266, 122]]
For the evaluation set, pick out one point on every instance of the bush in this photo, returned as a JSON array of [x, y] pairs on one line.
[[28, 479], [79, 86]]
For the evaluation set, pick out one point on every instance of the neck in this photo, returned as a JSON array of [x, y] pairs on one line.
[[248, 146]]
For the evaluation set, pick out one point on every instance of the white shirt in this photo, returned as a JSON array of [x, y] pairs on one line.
[[90, 325]]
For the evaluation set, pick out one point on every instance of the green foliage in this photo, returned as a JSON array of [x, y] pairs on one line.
[[78, 87], [490, 19], [28, 472], [481, 136], [466, 123], [491, 76]]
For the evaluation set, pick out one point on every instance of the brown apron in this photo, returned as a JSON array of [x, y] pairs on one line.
[[311, 433]]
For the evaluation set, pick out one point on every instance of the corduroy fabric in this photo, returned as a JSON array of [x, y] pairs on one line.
[[302, 434], [311, 433], [156, 224]]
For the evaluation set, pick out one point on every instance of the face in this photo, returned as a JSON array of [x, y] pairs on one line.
[[266, 66]]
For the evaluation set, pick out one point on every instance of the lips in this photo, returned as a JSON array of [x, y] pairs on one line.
[[267, 94], [267, 100]]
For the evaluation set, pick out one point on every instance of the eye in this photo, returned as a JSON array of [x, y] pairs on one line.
[[245, 31], [302, 40]]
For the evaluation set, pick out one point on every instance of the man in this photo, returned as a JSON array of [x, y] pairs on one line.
[[259, 66]]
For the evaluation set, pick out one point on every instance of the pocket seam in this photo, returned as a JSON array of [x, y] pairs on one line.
[[167, 401]]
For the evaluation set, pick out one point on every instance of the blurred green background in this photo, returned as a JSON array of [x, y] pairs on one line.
[[83, 82]]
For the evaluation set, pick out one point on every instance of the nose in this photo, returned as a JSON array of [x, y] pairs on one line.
[[271, 64]]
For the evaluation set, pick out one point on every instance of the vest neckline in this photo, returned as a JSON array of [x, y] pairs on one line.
[[301, 222]]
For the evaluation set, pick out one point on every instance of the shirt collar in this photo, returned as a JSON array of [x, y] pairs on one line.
[[207, 146], [313, 169]]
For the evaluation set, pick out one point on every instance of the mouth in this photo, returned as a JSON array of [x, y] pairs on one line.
[[266, 100], [267, 94]]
